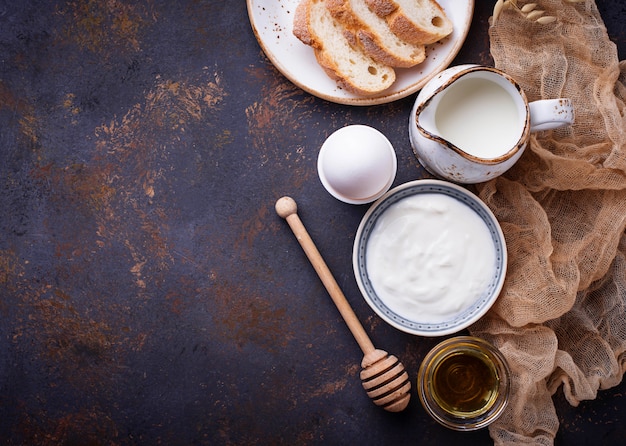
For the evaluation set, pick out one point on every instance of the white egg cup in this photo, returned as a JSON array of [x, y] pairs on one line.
[[357, 164]]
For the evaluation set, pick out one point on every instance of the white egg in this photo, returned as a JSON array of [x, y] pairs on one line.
[[357, 164]]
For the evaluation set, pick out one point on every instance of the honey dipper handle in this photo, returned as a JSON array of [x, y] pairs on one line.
[[286, 208]]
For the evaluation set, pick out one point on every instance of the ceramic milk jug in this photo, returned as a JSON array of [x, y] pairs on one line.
[[471, 123]]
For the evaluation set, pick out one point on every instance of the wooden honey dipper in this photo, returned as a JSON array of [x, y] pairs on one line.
[[383, 375]]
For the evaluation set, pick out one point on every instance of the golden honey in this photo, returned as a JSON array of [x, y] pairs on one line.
[[463, 383]]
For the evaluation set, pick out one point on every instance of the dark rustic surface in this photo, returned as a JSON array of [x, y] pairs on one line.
[[149, 293]]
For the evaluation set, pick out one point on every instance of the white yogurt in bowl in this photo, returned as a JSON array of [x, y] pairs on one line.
[[430, 257]]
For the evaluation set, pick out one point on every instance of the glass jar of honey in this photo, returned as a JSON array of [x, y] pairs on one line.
[[464, 383]]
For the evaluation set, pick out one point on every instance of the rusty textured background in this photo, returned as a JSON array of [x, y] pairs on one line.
[[148, 292]]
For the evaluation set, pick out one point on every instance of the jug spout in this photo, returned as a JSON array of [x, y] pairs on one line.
[[425, 118], [427, 103]]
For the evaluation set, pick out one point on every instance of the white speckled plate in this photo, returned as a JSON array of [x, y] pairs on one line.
[[272, 22], [411, 323]]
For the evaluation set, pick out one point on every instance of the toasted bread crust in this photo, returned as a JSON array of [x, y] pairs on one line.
[[382, 7], [301, 25], [407, 26], [372, 47], [362, 75], [383, 47], [407, 30]]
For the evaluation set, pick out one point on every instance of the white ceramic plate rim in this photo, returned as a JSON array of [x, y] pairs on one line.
[[272, 23], [461, 320]]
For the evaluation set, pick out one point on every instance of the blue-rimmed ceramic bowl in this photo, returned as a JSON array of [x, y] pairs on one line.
[[411, 322]]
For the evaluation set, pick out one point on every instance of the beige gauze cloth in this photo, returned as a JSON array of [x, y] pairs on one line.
[[561, 317]]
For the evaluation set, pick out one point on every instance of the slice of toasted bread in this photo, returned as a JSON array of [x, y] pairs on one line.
[[416, 21], [348, 65], [374, 35]]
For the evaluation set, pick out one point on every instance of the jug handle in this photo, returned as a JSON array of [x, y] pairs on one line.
[[546, 114]]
